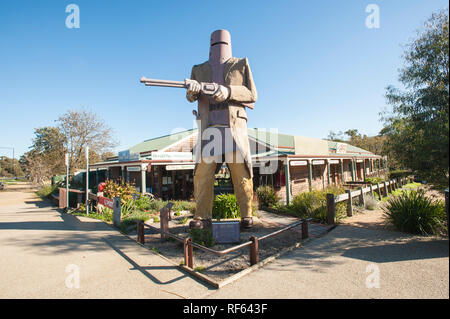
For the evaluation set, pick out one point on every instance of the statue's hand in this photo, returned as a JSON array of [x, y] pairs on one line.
[[222, 94], [192, 87]]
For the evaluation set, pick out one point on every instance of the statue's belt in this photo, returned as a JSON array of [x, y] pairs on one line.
[[218, 106]]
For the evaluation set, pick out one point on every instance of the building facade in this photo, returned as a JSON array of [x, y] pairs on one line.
[[291, 164]]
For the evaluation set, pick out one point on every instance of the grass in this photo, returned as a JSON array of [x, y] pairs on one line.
[[199, 269]]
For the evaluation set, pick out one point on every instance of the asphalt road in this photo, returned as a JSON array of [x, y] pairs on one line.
[[49, 254]]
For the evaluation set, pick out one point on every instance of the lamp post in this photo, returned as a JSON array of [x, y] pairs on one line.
[[87, 180], [67, 181]]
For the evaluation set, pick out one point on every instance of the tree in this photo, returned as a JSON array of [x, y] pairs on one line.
[[46, 155], [372, 144], [417, 129], [82, 128]]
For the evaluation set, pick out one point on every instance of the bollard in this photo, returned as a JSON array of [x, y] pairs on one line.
[[188, 253], [331, 209], [446, 204], [140, 232], [305, 229], [254, 258], [349, 203]]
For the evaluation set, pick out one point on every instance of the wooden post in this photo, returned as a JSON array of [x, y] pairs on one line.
[[310, 173], [371, 190], [361, 197], [254, 257], [305, 229], [164, 221], [385, 189], [364, 169], [379, 192], [140, 232], [188, 253], [331, 209], [349, 203]]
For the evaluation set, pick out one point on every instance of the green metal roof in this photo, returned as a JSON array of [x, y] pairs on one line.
[[159, 143], [280, 143]]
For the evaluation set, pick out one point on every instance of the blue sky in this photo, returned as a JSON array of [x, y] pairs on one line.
[[316, 65]]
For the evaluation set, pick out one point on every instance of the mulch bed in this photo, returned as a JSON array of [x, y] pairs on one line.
[[221, 267]]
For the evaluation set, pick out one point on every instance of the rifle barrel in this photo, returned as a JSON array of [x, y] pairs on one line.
[[166, 83]]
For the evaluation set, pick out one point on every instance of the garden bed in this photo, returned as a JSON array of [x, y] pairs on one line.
[[219, 268]]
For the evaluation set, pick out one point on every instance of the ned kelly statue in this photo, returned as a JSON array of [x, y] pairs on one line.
[[223, 88]]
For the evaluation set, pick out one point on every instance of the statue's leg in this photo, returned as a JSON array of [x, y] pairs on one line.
[[204, 190], [243, 188]]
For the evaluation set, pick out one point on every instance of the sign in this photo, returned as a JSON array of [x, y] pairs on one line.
[[133, 168], [359, 161], [226, 232], [170, 156], [333, 161], [298, 163], [106, 202], [318, 162], [341, 148], [179, 167], [126, 156]]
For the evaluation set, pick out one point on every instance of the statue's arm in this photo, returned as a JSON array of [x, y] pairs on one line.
[[192, 97], [245, 93]]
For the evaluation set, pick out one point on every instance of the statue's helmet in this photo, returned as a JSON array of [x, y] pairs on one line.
[[220, 47]]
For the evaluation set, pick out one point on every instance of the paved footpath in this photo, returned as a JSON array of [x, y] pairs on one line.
[[38, 244]]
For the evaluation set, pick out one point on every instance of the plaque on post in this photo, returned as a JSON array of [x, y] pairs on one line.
[[116, 211], [227, 232]]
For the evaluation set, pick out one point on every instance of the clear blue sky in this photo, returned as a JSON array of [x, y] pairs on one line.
[[317, 67]]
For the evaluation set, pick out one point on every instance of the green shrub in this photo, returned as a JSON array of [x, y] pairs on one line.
[[202, 236], [314, 204], [374, 180], [225, 206], [370, 202], [267, 197], [46, 191], [143, 202], [415, 213]]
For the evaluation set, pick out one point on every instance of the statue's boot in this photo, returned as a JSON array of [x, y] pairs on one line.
[[200, 224], [247, 222]]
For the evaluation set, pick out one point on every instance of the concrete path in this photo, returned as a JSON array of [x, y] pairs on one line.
[[339, 264], [41, 249]]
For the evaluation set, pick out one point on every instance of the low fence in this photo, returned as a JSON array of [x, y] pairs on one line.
[[382, 189], [188, 244]]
